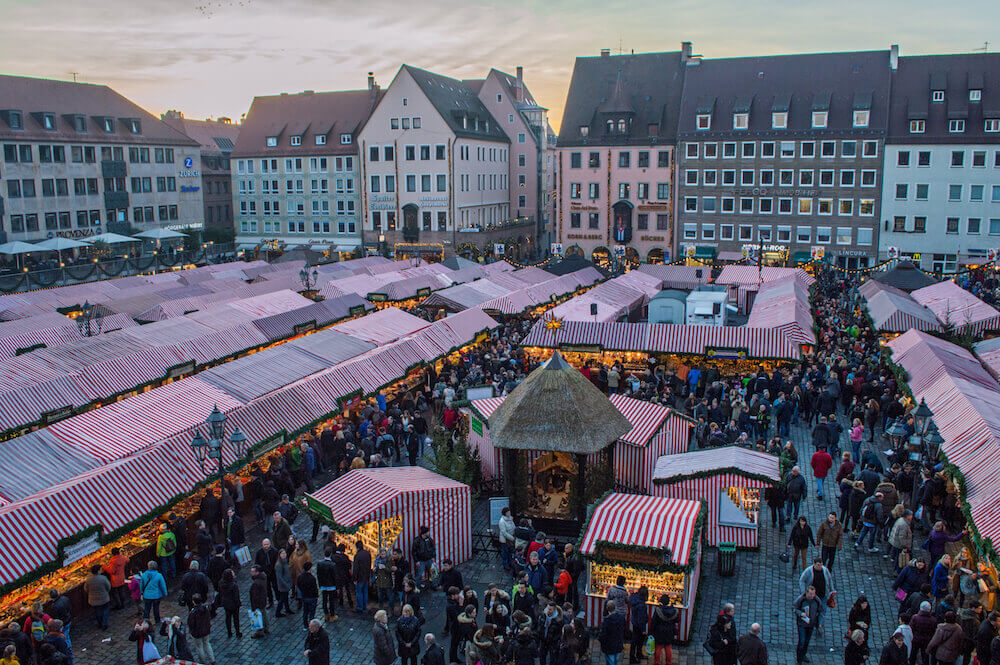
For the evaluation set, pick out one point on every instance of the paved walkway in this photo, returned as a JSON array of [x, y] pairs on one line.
[[763, 590]]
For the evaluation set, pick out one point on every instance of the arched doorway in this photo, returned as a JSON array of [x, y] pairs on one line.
[[632, 256], [655, 256], [575, 250], [411, 223], [601, 256], [469, 251], [621, 216]]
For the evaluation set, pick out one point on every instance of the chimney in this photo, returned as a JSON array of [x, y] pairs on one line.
[[519, 84], [373, 89], [605, 53], [894, 57], [685, 51]]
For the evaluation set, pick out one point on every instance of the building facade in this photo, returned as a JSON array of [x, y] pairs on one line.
[[783, 155], [616, 156], [437, 170], [296, 171], [80, 159], [217, 139], [941, 192]]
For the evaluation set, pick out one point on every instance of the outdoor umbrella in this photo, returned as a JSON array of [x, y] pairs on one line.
[[110, 238], [17, 247], [160, 234], [58, 244]]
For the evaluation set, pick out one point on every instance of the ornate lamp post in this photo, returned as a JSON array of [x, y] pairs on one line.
[[90, 320], [921, 417], [212, 448]]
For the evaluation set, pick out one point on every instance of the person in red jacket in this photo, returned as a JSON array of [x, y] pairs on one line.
[[821, 465]]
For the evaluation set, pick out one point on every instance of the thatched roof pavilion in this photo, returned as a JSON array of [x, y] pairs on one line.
[[557, 409], [904, 276]]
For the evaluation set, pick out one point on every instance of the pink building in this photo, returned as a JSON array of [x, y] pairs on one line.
[[616, 156]]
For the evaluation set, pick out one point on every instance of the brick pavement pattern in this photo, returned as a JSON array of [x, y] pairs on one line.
[[763, 590]]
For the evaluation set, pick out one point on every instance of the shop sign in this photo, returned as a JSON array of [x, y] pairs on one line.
[[78, 233], [476, 425], [892, 252], [377, 297], [81, 548], [352, 402], [766, 248], [853, 252], [556, 249], [190, 188], [651, 238], [178, 371], [584, 236], [498, 248], [622, 555], [764, 191], [56, 415], [726, 354], [305, 327], [357, 310], [580, 348], [817, 252], [578, 206], [189, 174], [426, 291]]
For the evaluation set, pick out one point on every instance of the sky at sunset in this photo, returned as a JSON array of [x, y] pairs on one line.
[[210, 57]]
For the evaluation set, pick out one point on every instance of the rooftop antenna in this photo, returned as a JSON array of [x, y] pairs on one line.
[[620, 49], [985, 48], [77, 73]]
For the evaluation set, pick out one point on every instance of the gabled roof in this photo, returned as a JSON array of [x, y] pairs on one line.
[[919, 76], [454, 100], [215, 137], [646, 85], [304, 114], [64, 99], [797, 83]]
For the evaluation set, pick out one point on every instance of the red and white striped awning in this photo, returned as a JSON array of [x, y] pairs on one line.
[[365, 495], [384, 326], [729, 459], [899, 312], [486, 406], [646, 418], [735, 275], [953, 304], [644, 521]]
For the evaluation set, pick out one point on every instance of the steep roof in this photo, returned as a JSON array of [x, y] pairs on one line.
[[955, 75], [647, 86], [306, 114], [454, 100], [215, 137], [904, 276], [838, 83], [34, 97]]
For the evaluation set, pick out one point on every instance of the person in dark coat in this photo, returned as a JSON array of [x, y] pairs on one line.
[[663, 628], [194, 583], [723, 639], [228, 599], [384, 646], [317, 644], [232, 529], [894, 652], [258, 598], [639, 615], [985, 636], [750, 648], [856, 651], [923, 624], [612, 632]]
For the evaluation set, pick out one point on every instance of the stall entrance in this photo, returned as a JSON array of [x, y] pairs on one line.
[[551, 491]]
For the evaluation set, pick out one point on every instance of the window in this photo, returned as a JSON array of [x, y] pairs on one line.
[[746, 177], [924, 158], [845, 207], [956, 126], [594, 160], [994, 227], [764, 233], [819, 119], [594, 190], [767, 149], [826, 178], [951, 225], [848, 148], [746, 232], [425, 183], [847, 178], [726, 232], [803, 234], [861, 118], [593, 221], [784, 206], [691, 150], [973, 225], [711, 150], [521, 137], [869, 148], [575, 160], [728, 204], [709, 178], [624, 159], [741, 120], [901, 191], [787, 149], [729, 150], [521, 160], [919, 224], [957, 158], [765, 206], [978, 159], [823, 234], [574, 220], [662, 222], [954, 192], [708, 231], [729, 177], [690, 204], [937, 96], [663, 191], [784, 234], [690, 231], [786, 177], [922, 192], [376, 185], [708, 204], [441, 182], [703, 121], [14, 120], [574, 190], [643, 159], [995, 194], [976, 192], [748, 148], [642, 221], [296, 140], [807, 149], [746, 204], [866, 207], [271, 141], [899, 224], [779, 120], [663, 158], [844, 235], [824, 207], [766, 177], [992, 125], [805, 206], [806, 178], [918, 126], [584, 132], [691, 177]]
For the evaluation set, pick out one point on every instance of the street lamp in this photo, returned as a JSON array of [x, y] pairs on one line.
[[308, 279], [211, 449], [90, 320], [933, 441], [921, 417], [896, 433]]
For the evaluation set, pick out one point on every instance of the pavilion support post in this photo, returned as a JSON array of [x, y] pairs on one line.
[[509, 471], [581, 488]]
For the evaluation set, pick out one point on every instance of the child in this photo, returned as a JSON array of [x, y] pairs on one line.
[[136, 592], [9, 657]]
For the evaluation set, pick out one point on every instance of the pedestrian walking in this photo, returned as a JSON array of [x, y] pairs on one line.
[[408, 636], [259, 622], [308, 590], [750, 648], [821, 463], [200, 630], [98, 590], [807, 612], [830, 536], [317, 650], [611, 635], [800, 539], [153, 588], [663, 628], [856, 652], [384, 647], [795, 490], [723, 641], [361, 572], [228, 599]]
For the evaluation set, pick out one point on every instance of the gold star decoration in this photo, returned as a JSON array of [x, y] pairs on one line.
[[553, 322]]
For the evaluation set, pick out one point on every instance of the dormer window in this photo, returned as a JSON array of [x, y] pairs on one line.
[[779, 120], [109, 125], [654, 130], [271, 141], [861, 118], [465, 122], [937, 96], [622, 126], [703, 121], [49, 121], [15, 120], [917, 126], [296, 140], [345, 139], [975, 95], [135, 126], [741, 120], [956, 126], [820, 119], [80, 124], [584, 131], [991, 125], [321, 139]]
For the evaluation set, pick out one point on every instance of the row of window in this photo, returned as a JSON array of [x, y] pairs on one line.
[[295, 164], [779, 120], [786, 178], [295, 226], [15, 120], [918, 224], [957, 158], [47, 154], [145, 185], [624, 159], [406, 123], [624, 190], [297, 186], [296, 140], [145, 214], [54, 221], [955, 192], [220, 213], [298, 208], [427, 220], [748, 205], [782, 149], [824, 235], [956, 126], [662, 221]]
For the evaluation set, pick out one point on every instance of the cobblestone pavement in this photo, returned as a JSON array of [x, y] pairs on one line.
[[763, 590]]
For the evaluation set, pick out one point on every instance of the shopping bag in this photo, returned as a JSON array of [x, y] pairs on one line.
[[900, 595], [650, 646], [150, 654], [919, 514], [242, 555], [256, 619], [784, 557]]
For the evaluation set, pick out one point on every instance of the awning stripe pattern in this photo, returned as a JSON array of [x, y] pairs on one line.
[[644, 521]]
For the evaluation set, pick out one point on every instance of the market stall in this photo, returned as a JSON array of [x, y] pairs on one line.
[[729, 479], [652, 541], [385, 508]]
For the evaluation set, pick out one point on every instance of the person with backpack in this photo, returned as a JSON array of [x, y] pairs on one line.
[[423, 552], [34, 625], [871, 520], [612, 633], [200, 628], [152, 589], [663, 628], [166, 547], [639, 622]]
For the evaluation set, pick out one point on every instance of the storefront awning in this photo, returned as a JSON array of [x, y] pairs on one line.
[[244, 246], [644, 521], [802, 257], [320, 248], [704, 252], [346, 248]]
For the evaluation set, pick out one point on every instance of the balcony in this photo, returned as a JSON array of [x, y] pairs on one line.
[[113, 168], [115, 200]]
